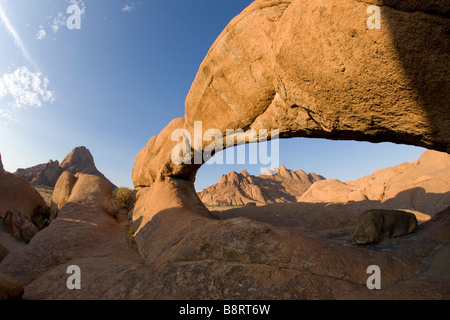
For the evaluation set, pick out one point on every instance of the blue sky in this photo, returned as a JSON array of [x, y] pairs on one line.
[[121, 78]]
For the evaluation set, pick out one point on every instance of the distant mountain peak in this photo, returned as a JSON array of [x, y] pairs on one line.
[[275, 185], [79, 159]]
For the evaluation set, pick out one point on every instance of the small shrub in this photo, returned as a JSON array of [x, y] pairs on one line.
[[124, 197], [42, 218]]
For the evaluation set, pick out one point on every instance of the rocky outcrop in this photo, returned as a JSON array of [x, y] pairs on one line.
[[3, 252], [297, 75], [84, 233], [260, 260], [321, 88], [17, 194], [10, 289], [79, 159], [421, 186], [19, 204], [62, 192], [1, 165], [43, 174], [376, 224], [236, 189], [16, 224]]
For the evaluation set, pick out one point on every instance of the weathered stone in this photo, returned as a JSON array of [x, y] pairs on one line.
[[61, 193], [17, 194], [84, 228], [80, 160], [3, 252], [10, 289], [376, 225], [421, 186], [297, 76], [264, 83], [242, 188], [19, 226], [43, 174]]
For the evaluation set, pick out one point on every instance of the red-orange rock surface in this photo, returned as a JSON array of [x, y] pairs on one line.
[[241, 188]]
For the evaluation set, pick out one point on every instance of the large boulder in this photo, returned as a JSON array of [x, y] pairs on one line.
[[10, 289], [17, 194], [376, 225], [61, 192], [80, 160], [3, 252], [16, 224]]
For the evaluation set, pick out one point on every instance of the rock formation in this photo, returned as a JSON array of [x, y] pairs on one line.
[[17, 194], [308, 72], [376, 225], [310, 68], [84, 233], [10, 289], [235, 189], [321, 88], [43, 174], [3, 252], [421, 186], [79, 159], [16, 224], [62, 191]]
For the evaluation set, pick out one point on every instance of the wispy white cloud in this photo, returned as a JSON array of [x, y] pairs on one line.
[[132, 5], [24, 89], [41, 34], [128, 8], [58, 21], [17, 40]]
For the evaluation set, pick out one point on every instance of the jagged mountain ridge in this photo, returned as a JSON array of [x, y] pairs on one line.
[[79, 159], [283, 185]]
